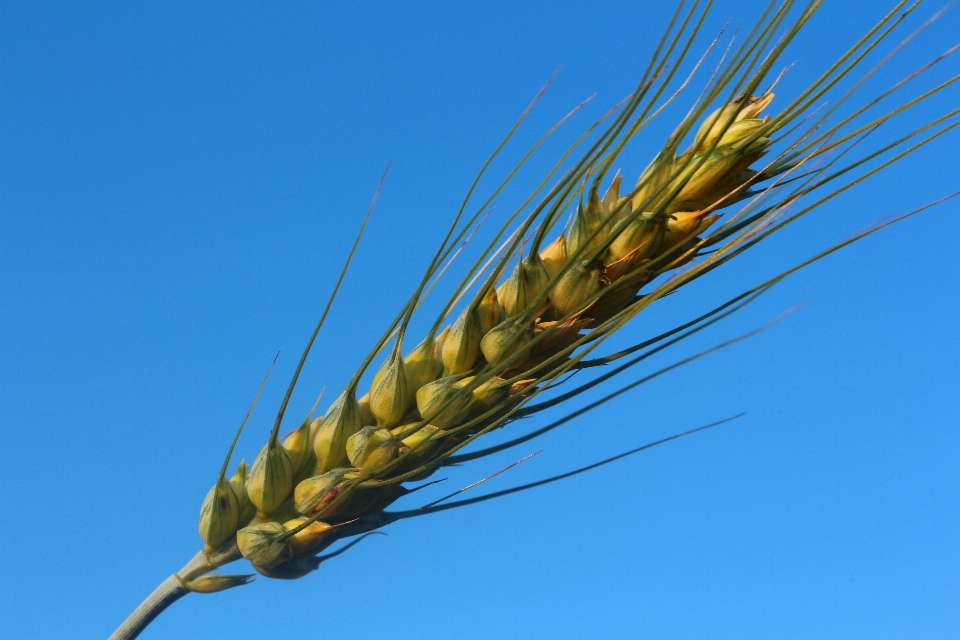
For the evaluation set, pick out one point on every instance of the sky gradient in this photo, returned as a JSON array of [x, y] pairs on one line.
[[179, 185]]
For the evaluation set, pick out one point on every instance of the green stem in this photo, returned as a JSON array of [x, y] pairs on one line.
[[169, 591]]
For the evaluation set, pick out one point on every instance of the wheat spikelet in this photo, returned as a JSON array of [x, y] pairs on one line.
[[568, 268]]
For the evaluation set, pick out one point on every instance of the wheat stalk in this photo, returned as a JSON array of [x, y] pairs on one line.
[[567, 269]]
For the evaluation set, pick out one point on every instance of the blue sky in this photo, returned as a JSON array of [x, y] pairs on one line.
[[179, 184]]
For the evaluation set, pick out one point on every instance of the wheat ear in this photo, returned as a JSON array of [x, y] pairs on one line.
[[568, 268]]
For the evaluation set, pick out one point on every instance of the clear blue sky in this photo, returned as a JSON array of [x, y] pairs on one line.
[[179, 183]]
